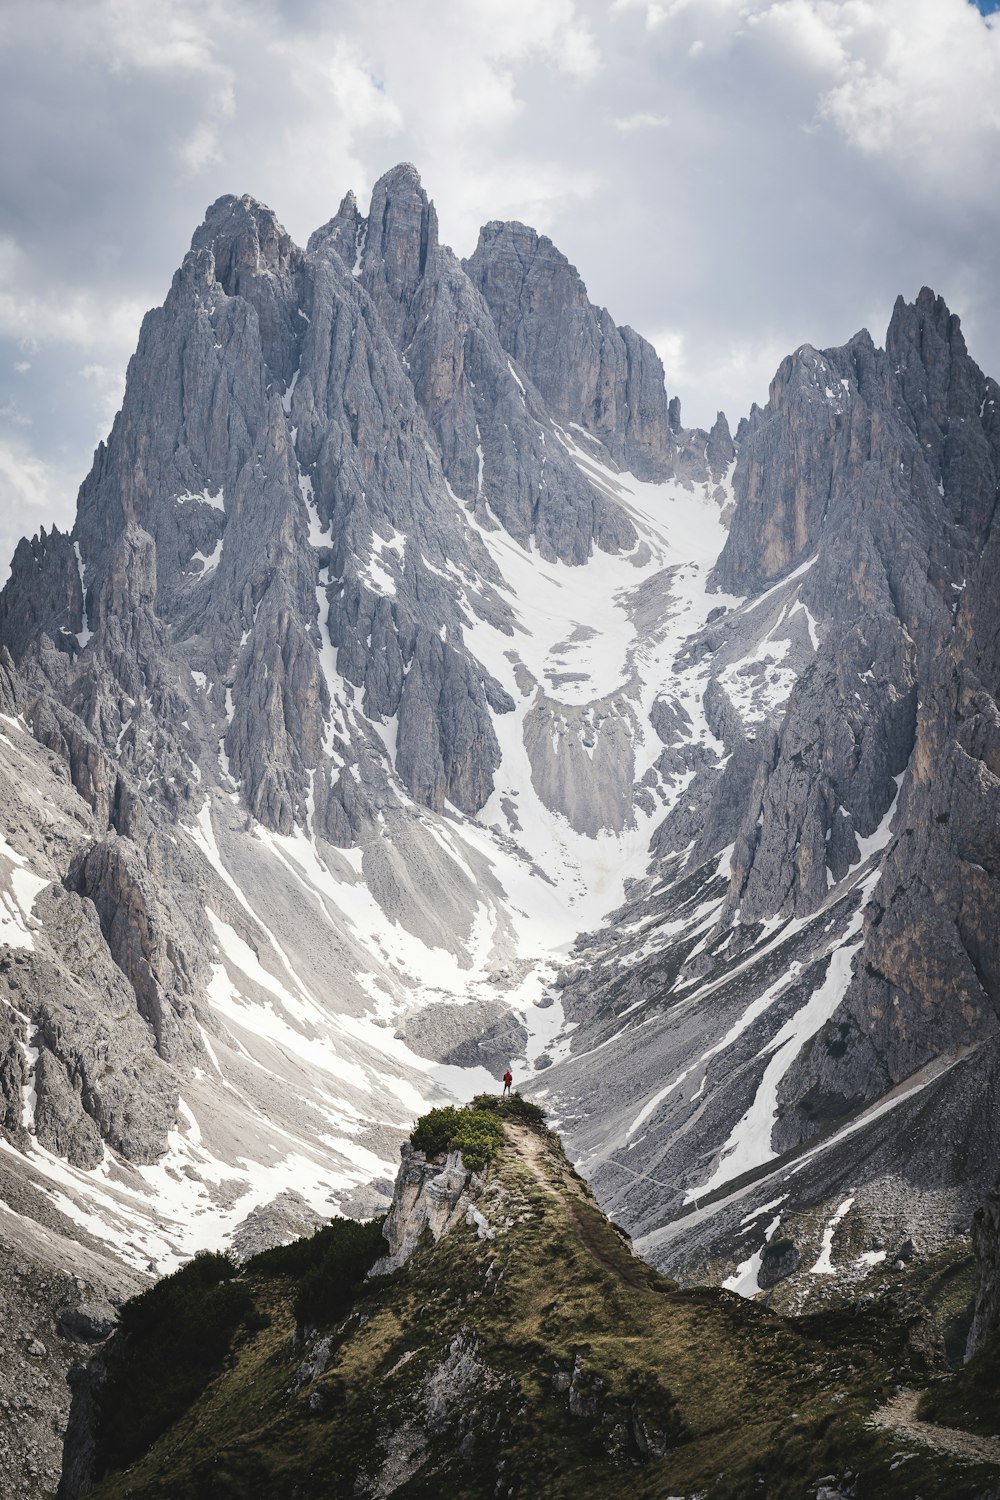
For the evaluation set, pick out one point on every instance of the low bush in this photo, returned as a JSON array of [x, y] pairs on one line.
[[477, 1133], [169, 1343], [513, 1106], [301, 1256], [339, 1256]]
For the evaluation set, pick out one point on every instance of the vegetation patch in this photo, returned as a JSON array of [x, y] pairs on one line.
[[170, 1341], [476, 1132], [330, 1266], [545, 1361], [512, 1107]]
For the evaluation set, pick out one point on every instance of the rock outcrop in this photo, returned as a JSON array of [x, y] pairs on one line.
[[590, 374], [430, 1197], [543, 1357]]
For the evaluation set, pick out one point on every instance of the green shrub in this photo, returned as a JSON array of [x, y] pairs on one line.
[[476, 1132], [170, 1341], [300, 1256], [513, 1106], [339, 1256]]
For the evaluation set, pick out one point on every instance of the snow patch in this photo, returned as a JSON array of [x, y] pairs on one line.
[[744, 1280], [216, 501], [824, 1265]]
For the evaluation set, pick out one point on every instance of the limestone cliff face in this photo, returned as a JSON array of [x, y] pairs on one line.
[[926, 980], [492, 426], [304, 438], [268, 451], [590, 373], [429, 1198], [45, 596], [265, 597]]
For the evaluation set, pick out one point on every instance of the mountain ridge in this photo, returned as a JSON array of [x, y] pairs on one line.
[[459, 1365]]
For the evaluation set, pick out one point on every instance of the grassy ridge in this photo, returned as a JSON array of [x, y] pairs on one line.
[[545, 1361]]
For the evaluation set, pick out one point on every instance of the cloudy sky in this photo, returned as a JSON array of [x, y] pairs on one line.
[[732, 177]]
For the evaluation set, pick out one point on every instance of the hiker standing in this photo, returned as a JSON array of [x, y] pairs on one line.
[[508, 1079]]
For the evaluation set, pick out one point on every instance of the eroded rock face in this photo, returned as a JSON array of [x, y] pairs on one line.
[[47, 596], [428, 1197], [287, 1217], [590, 373], [493, 428], [97, 1076], [288, 484], [480, 1034], [582, 760], [139, 932], [855, 821]]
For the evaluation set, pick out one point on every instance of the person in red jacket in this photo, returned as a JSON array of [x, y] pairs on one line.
[[508, 1079]]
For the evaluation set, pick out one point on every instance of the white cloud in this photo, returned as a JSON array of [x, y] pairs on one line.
[[642, 121], [109, 383], [670, 345], [916, 82], [919, 85], [709, 13], [820, 156], [11, 412], [83, 319], [700, 376], [458, 104], [32, 494], [179, 36], [72, 316], [201, 149]]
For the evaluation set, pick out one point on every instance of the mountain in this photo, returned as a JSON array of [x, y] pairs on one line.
[[414, 694], [456, 1368], [818, 1010]]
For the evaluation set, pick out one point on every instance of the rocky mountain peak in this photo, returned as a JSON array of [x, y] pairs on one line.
[[591, 374], [720, 449], [245, 239], [926, 321], [951, 407], [341, 234], [400, 244], [807, 454], [514, 254]]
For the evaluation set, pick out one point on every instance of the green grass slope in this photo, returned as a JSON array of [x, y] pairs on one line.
[[527, 1353]]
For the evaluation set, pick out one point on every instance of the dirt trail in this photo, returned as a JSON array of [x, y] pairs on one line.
[[528, 1146], [549, 1173], [899, 1415]]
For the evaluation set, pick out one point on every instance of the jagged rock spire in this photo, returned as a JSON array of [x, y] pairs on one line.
[[605, 379]]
